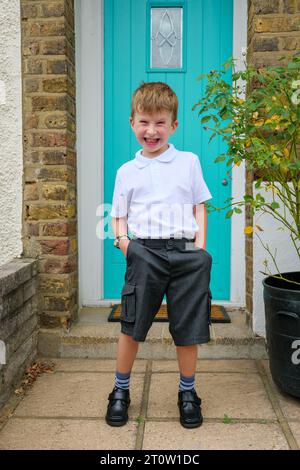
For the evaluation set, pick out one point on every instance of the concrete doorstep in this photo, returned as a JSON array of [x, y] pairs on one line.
[[94, 337]]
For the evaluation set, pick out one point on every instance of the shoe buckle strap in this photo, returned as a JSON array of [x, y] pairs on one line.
[[118, 395], [195, 400]]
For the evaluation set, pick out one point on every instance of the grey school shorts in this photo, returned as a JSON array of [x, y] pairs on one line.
[[156, 267]]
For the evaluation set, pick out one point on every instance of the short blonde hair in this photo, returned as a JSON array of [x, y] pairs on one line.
[[152, 97]]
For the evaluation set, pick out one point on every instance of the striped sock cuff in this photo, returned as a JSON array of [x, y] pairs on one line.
[[122, 380], [186, 383]]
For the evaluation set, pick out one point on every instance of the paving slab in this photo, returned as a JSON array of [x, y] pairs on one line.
[[66, 434], [75, 395], [236, 395], [295, 428], [66, 409], [90, 365], [289, 405], [214, 436], [208, 365]]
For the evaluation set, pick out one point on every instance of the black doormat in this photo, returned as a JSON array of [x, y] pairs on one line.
[[218, 314]]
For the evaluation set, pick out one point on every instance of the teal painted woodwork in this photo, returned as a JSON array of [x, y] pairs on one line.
[[207, 36]]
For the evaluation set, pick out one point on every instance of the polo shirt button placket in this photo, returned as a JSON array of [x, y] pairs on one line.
[[155, 175]]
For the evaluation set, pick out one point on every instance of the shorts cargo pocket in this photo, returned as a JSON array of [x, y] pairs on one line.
[[209, 297], [128, 304]]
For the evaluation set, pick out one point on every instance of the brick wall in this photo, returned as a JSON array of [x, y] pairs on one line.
[[49, 213], [273, 32], [18, 322]]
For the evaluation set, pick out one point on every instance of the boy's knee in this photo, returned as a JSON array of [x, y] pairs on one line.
[[128, 338], [189, 347]]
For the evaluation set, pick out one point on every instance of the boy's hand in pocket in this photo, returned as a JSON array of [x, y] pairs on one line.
[[124, 242]]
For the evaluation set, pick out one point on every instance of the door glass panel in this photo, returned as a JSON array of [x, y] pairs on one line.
[[166, 38]]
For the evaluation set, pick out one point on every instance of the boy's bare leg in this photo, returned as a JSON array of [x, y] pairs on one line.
[[126, 353], [187, 359]]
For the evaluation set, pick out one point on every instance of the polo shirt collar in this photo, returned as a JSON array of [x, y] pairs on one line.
[[168, 155]]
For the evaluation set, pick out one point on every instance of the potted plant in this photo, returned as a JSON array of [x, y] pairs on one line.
[[263, 131]]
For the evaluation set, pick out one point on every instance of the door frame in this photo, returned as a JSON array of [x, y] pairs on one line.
[[90, 149]]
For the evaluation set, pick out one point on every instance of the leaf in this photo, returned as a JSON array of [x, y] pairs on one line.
[[259, 228], [201, 77], [275, 205], [236, 76], [212, 137], [227, 65], [221, 158], [248, 230], [227, 419], [229, 214], [205, 119]]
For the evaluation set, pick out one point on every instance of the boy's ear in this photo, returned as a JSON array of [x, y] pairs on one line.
[[131, 121], [175, 125]]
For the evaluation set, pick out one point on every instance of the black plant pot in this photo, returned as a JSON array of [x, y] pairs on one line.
[[282, 312]]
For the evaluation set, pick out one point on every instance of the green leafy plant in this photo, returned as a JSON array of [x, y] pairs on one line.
[[227, 419], [138, 419], [262, 131]]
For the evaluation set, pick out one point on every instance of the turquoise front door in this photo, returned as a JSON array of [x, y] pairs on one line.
[[172, 41]]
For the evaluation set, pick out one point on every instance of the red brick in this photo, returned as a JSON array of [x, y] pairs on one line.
[[57, 66], [57, 121], [59, 229], [33, 66], [49, 103], [31, 192], [31, 48], [58, 304], [53, 28], [31, 121], [55, 85], [289, 6], [47, 139], [55, 247], [59, 266], [265, 6], [32, 229], [50, 211], [54, 47], [54, 157], [28, 11], [55, 9]]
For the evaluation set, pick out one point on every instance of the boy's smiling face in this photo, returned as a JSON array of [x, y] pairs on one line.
[[153, 131]]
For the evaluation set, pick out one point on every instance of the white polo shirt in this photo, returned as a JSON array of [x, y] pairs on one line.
[[158, 194]]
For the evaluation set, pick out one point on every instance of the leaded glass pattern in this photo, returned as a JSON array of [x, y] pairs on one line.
[[166, 38]]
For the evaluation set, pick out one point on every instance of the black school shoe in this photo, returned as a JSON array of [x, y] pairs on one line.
[[190, 409], [119, 401]]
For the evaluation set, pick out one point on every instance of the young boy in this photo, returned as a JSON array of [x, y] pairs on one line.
[[162, 192]]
